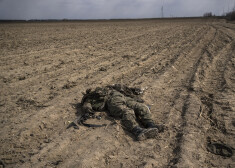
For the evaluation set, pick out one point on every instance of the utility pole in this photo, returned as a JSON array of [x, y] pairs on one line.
[[162, 12], [234, 6]]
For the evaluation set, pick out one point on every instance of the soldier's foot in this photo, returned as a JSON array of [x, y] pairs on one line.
[[143, 134]]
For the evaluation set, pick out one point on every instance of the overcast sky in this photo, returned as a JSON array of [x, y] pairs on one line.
[[108, 9]]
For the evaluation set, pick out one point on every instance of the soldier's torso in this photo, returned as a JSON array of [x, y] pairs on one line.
[[99, 96]]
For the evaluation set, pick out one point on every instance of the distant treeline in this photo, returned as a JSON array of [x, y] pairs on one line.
[[103, 20], [40, 20], [228, 15]]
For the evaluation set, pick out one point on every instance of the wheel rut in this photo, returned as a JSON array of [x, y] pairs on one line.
[[190, 127]]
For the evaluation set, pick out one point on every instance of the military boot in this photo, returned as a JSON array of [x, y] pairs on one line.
[[142, 133], [153, 125]]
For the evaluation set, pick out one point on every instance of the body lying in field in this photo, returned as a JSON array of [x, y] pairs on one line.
[[125, 103]]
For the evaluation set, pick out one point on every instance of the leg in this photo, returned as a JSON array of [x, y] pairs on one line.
[[117, 108], [144, 114], [141, 110]]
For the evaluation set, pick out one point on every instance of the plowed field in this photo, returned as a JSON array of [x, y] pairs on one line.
[[187, 68]]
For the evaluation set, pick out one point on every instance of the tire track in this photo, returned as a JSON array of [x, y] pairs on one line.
[[184, 138], [177, 150], [195, 54]]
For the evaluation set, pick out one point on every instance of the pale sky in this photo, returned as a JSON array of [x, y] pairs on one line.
[[109, 9]]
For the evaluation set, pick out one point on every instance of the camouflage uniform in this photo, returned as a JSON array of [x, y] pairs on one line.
[[118, 105], [128, 109]]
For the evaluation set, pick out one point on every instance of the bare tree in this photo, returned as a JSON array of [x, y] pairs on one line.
[[208, 14]]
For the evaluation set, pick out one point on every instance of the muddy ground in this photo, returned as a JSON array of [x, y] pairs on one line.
[[187, 67]]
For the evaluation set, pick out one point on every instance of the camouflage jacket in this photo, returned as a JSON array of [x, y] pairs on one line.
[[135, 93], [96, 100]]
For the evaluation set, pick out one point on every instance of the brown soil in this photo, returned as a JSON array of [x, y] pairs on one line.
[[186, 66]]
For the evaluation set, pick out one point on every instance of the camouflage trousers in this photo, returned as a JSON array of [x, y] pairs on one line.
[[128, 110]]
